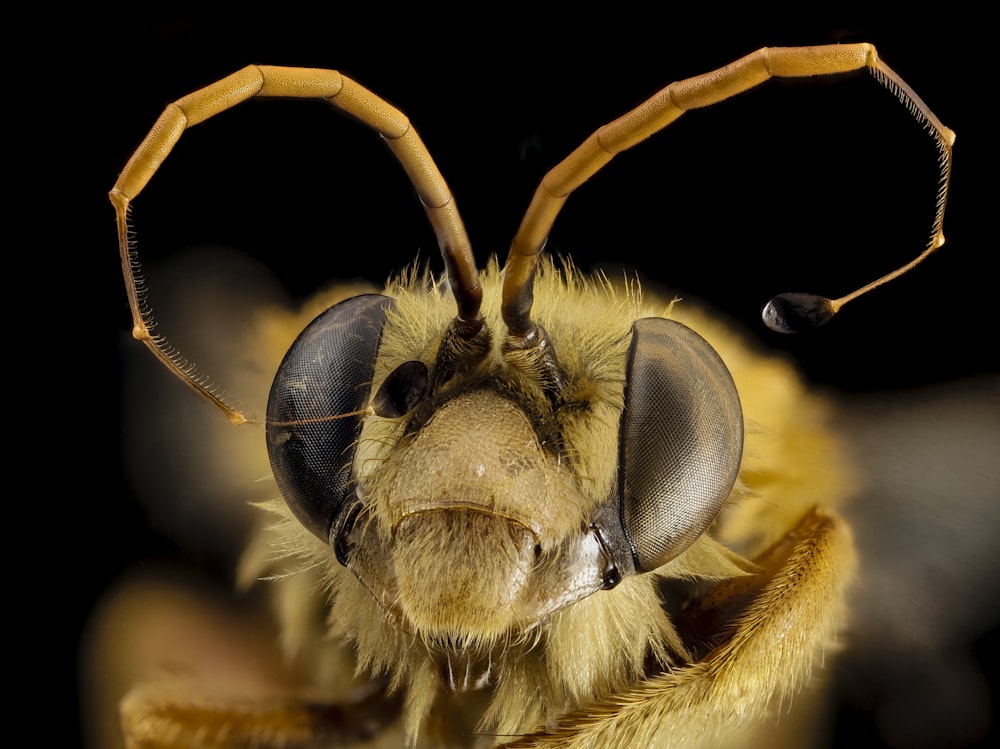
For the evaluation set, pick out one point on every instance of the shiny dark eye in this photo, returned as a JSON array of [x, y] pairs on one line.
[[325, 374], [681, 440]]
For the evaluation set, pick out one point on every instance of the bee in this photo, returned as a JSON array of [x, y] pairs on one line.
[[518, 505]]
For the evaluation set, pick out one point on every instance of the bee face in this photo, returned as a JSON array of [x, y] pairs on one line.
[[488, 526], [483, 518], [496, 442]]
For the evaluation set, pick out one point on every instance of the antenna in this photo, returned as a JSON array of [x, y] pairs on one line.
[[795, 312]]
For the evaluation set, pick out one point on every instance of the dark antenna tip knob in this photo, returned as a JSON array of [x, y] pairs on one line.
[[794, 313]]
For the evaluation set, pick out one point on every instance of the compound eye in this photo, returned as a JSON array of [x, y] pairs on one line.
[[325, 374], [681, 440]]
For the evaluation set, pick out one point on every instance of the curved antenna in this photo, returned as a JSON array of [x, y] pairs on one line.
[[666, 106], [302, 83]]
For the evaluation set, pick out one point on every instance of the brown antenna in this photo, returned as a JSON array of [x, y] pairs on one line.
[[301, 83], [786, 312]]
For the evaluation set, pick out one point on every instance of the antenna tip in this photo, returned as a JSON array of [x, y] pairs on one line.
[[793, 313]]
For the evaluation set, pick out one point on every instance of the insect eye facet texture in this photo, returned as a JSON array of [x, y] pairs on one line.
[[504, 502]]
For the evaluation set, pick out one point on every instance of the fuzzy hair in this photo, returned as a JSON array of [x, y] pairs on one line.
[[599, 651]]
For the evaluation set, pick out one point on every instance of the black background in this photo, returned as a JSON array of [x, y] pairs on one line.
[[792, 187]]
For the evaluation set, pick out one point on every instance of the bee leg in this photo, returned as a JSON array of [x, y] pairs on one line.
[[770, 631], [154, 718], [169, 664]]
